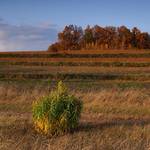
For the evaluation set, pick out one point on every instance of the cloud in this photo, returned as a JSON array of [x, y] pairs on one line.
[[26, 37]]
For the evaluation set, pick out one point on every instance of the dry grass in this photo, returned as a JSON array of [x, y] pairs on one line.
[[132, 103], [112, 119], [74, 69], [135, 60], [82, 52]]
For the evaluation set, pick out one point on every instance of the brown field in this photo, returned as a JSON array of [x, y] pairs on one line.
[[116, 113], [74, 69], [135, 60], [82, 52], [111, 119]]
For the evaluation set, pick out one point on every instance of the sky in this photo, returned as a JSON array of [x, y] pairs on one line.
[[34, 24]]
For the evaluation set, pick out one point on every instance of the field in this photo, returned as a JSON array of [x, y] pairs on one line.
[[113, 84]]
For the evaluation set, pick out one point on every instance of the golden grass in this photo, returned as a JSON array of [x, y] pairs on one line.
[[128, 102], [74, 69], [132, 103], [112, 119], [135, 60]]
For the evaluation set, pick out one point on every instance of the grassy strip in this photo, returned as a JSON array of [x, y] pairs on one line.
[[83, 85], [100, 64], [120, 109], [58, 55], [72, 69], [15, 107], [81, 76], [104, 108]]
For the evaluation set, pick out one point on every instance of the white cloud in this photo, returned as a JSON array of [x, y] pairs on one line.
[[26, 37]]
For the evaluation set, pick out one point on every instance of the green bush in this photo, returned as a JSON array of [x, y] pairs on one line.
[[57, 113]]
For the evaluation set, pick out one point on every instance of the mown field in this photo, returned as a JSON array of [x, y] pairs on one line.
[[113, 84], [128, 65]]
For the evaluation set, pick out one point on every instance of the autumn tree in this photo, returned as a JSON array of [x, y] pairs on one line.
[[135, 37], [112, 37], [88, 39], [125, 37], [100, 36], [70, 37], [97, 37], [144, 41]]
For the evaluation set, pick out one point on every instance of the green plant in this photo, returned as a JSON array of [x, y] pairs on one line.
[[58, 112]]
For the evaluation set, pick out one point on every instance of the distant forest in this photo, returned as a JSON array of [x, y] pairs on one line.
[[97, 37]]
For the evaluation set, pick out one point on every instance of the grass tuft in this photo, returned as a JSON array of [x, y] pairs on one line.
[[57, 113]]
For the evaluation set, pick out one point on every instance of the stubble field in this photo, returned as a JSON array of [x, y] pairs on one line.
[[114, 86]]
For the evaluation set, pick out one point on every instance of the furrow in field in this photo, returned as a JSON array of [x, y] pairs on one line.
[[70, 76], [103, 64], [61, 55], [142, 60], [73, 69]]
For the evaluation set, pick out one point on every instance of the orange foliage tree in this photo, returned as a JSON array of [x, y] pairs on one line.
[[97, 37]]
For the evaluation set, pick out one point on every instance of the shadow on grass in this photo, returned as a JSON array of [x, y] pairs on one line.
[[86, 126], [24, 127]]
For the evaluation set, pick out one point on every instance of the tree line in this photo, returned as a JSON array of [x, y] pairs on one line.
[[97, 37]]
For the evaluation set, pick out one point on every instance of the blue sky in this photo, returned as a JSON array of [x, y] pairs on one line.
[[34, 24]]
